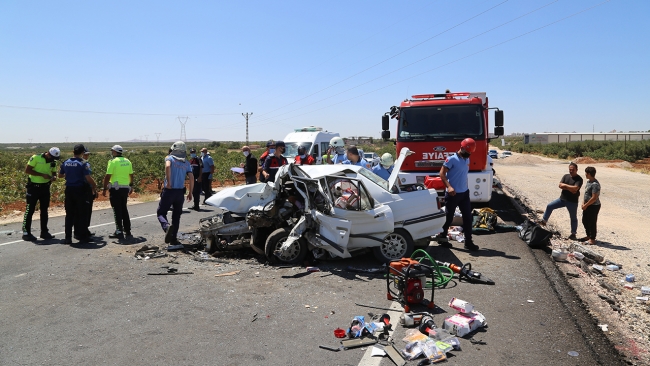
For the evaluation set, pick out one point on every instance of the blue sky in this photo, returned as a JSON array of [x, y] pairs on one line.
[[336, 64]]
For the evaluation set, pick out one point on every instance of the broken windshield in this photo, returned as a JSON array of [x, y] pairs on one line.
[[374, 178], [440, 122]]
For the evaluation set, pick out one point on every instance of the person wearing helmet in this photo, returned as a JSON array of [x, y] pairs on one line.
[[270, 150], [177, 168], [454, 175], [302, 158], [355, 158], [118, 179], [274, 162], [41, 171], [338, 147], [385, 166]]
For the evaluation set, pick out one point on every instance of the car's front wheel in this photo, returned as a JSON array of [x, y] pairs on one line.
[[397, 245], [294, 255]]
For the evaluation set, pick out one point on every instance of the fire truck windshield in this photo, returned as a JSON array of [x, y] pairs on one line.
[[440, 122]]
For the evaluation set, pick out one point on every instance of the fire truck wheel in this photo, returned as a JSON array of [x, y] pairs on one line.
[[397, 245], [294, 255]]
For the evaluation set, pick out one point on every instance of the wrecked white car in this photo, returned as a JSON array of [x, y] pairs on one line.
[[328, 210]]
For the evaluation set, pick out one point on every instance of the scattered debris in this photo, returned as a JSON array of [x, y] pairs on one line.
[[607, 298], [227, 274], [313, 269], [572, 274], [173, 248], [630, 277], [575, 247], [335, 349], [603, 327], [170, 271], [573, 353], [609, 287]]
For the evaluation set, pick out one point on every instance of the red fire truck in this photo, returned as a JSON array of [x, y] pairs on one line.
[[433, 125]]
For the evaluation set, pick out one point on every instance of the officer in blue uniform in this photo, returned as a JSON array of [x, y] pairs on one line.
[[337, 146], [77, 174], [385, 166], [176, 169], [354, 158], [207, 171]]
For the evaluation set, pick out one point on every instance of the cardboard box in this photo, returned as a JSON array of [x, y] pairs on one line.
[[463, 324]]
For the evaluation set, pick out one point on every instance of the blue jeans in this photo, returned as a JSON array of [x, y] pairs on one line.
[[572, 207]]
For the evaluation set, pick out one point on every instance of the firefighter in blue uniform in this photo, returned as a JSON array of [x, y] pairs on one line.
[[385, 166]]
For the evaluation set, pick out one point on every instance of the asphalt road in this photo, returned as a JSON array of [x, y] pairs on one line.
[[95, 304]]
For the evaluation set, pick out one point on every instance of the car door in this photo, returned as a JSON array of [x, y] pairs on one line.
[[370, 222]]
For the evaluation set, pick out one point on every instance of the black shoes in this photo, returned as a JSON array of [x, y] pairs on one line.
[[471, 246], [443, 240], [46, 235], [67, 241], [573, 237], [116, 235], [128, 235], [29, 237], [169, 234], [195, 208]]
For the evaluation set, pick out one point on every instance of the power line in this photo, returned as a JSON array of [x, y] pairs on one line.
[[103, 112], [446, 64], [389, 58]]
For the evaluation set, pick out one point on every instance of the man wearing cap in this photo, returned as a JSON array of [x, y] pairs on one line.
[[91, 195], [206, 173], [119, 178], [354, 158], [77, 174], [250, 166], [270, 150], [197, 166], [302, 158], [176, 169], [454, 175], [274, 162], [41, 170]]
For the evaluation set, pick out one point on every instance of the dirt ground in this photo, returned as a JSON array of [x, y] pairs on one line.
[[623, 233]]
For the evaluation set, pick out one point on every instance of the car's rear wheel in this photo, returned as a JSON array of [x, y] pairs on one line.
[[397, 245], [294, 255]]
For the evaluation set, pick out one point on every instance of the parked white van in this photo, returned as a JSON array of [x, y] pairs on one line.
[[313, 138]]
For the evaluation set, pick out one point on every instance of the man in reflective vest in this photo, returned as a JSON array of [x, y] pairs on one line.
[[41, 169], [119, 178]]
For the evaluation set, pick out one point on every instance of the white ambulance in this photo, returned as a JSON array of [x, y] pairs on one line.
[[314, 139]]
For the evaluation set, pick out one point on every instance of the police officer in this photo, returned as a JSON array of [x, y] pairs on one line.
[[385, 166], [355, 158], [77, 174], [119, 178], [454, 175], [176, 169], [206, 173], [197, 166], [274, 162], [302, 158], [41, 169], [337, 146], [91, 195], [270, 150], [250, 166]]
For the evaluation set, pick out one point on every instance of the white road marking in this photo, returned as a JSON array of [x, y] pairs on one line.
[[394, 313], [90, 227]]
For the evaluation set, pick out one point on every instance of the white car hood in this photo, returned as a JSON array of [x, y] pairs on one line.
[[241, 198]]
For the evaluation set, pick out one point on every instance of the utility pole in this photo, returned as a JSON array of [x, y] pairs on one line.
[[157, 137], [246, 115]]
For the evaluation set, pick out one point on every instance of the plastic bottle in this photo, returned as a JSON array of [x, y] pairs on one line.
[[630, 278], [612, 267]]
